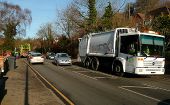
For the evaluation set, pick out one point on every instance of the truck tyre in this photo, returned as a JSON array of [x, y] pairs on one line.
[[95, 63], [118, 69], [87, 62]]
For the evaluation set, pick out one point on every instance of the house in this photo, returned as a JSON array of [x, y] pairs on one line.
[[143, 21], [138, 20], [165, 10]]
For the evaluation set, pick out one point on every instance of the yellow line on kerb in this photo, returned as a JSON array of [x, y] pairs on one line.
[[61, 94]]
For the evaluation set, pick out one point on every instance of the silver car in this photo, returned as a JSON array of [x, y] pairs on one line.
[[62, 59]]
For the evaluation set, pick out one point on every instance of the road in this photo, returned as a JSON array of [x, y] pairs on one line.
[[86, 87]]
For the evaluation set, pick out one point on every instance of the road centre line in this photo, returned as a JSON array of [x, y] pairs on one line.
[[138, 87], [111, 76], [85, 75], [97, 77], [157, 87], [155, 99], [100, 77], [88, 70]]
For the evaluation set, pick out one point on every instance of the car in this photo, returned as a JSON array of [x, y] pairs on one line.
[[62, 59], [36, 57], [50, 55]]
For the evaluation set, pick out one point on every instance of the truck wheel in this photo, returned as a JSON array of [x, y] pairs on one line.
[[87, 62], [118, 69], [95, 63]]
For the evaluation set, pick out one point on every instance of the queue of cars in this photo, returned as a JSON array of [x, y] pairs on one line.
[[58, 58]]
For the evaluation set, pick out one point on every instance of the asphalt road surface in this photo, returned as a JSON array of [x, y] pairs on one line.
[[86, 87]]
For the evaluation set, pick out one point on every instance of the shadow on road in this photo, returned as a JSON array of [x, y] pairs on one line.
[[3, 91]]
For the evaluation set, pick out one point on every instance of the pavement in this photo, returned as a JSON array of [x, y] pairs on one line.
[[20, 86]]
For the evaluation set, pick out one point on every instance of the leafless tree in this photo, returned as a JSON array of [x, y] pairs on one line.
[[69, 20], [47, 34]]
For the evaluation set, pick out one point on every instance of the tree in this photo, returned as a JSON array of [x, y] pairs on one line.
[[13, 21], [69, 20], [9, 32], [63, 44], [92, 16], [162, 24], [46, 33], [107, 18]]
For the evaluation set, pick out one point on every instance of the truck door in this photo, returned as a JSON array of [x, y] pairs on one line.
[[128, 50]]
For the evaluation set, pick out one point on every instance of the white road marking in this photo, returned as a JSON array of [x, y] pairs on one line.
[[100, 77], [97, 77], [157, 87], [86, 71], [85, 75], [137, 87], [155, 99]]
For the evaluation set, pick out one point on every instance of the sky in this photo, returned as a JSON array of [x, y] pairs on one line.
[[42, 11]]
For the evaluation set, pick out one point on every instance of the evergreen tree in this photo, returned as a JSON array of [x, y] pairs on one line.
[[162, 24], [92, 16], [107, 18], [10, 33]]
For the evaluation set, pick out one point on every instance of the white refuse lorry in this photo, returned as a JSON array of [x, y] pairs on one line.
[[125, 50]]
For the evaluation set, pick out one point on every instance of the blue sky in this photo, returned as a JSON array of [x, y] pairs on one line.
[[43, 11]]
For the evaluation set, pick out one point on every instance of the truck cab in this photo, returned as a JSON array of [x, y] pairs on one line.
[[142, 53]]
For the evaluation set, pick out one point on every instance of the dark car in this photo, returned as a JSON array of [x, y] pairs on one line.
[[50, 55]]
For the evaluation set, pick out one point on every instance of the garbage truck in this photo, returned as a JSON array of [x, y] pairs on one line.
[[124, 50]]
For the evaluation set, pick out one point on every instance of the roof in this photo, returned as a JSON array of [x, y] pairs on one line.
[[142, 16], [161, 10]]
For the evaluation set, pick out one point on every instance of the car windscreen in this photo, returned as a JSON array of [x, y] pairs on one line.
[[63, 55]]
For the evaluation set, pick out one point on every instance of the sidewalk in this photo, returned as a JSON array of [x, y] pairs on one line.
[[23, 88]]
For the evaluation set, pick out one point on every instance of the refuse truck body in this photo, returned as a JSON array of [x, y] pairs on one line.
[[124, 50]]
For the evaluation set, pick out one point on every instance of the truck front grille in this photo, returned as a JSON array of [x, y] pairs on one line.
[[152, 63]]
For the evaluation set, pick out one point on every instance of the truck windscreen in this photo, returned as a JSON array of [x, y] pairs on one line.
[[152, 45]]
